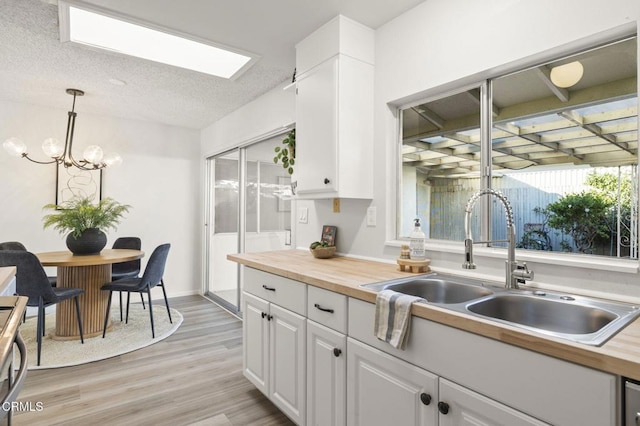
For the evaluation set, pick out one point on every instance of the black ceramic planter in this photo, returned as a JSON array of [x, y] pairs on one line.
[[91, 241]]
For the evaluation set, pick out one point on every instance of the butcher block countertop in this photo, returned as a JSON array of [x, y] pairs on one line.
[[6, 274], [620, 355]]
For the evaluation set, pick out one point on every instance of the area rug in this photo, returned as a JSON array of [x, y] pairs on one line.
[[120, 339]]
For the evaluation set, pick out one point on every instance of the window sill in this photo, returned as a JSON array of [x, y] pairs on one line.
[[568, 260]]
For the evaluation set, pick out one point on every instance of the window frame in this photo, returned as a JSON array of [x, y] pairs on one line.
[[485, 82]]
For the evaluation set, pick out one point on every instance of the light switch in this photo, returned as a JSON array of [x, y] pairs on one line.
[[371, 216], [303, 215]]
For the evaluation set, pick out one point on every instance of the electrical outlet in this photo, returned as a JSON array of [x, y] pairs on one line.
[[303, 215], [336, 205]]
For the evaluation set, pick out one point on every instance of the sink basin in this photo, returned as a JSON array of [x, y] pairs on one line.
[[575, 318], [436, 289], [578, 319]]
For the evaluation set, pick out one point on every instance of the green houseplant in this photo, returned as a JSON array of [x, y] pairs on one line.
[[287, 153], [85, 222]]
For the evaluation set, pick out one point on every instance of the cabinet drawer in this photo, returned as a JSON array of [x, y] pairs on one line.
[[327, 308], [289, 294]]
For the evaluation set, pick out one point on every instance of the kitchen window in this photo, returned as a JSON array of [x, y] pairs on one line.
[[565, 154]]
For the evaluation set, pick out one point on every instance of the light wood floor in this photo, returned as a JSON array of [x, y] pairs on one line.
[[193, 377]]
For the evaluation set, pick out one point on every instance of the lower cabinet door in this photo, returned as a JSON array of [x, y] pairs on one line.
[[464, 407], [383, 390], [326, 376], [287, 362], [255, 336]]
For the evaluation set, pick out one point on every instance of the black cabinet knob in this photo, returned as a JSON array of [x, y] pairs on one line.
[[326, 181], [264, 314], [336, 352], [269, 317], [425, 398], [443, 407]]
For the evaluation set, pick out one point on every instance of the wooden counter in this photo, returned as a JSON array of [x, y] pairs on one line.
[[6, 274], [620, 355]]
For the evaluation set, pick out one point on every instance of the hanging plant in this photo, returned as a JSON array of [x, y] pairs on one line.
[[287, 154]]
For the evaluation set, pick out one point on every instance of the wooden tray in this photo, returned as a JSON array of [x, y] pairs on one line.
[[414, 266]]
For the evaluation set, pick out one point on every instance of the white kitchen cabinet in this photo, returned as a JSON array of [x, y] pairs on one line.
[[334, 130], [274, 334], [326, 376], [384, 390], [326, 357], [287, 362], [255, 337], [334, 111], [460, 406]]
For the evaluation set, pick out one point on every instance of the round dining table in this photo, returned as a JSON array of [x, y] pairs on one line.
[[88, 272]]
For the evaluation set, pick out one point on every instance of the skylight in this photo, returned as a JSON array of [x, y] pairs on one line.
[[97, 30]]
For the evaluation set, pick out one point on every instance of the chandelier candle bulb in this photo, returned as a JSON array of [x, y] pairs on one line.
[[15, 147]]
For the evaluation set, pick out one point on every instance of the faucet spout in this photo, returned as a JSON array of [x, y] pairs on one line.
[[514, 273]]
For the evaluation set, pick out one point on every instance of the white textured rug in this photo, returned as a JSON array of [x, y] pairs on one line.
[[120, 339]]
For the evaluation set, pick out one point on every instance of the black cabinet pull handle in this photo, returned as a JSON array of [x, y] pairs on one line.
[[425, 398], [323, 309], [326, 181], [443, 407], [337, 352], [264, 314], [268, 288]]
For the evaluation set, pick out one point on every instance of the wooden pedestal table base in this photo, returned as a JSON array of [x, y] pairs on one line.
[[93, 303], [89, 273]]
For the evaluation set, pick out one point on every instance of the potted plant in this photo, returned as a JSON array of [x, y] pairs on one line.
[[85, 222], [287, 154]]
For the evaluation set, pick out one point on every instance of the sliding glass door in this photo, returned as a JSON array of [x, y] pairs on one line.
[[248, 210], [223, 228], [268, 200]]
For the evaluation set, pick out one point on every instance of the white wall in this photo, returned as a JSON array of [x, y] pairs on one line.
[[159, 178], [272, 111]]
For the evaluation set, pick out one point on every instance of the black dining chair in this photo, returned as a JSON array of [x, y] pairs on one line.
[[31, 281], [129, 269], [152, 276], [16, 245]]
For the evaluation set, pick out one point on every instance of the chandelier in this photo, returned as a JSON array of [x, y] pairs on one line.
[[94, 158]]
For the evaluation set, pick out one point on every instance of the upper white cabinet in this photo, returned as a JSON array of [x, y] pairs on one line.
[[334, 112]]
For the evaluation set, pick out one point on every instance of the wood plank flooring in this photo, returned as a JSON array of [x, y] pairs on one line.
[[193, 377]]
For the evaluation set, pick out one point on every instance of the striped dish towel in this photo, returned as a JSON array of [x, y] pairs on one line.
[[393, 316]]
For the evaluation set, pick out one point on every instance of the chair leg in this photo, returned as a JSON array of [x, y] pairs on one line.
[[79, 320], [142, 298], [128, 299], [106, 315], [43, 325], [153, 332], [166, 301], [120, 294], [39, 327]]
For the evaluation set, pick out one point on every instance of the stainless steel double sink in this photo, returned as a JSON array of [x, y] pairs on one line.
[[578, 319]]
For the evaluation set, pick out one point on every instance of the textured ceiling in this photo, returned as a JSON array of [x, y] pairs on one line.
[[36, 68]]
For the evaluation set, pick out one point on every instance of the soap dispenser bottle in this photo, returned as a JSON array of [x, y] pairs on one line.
[[416, 242]]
